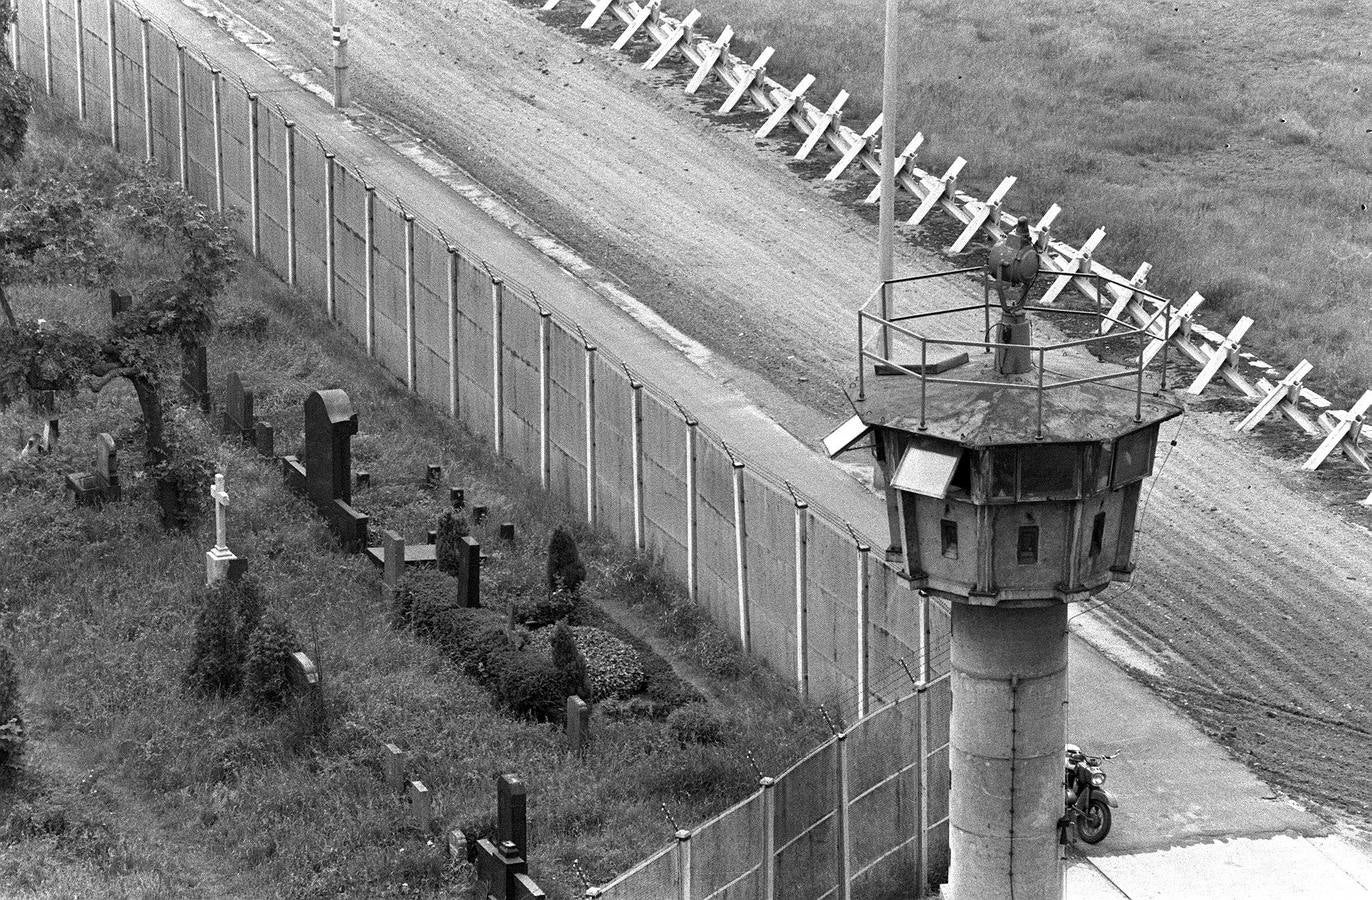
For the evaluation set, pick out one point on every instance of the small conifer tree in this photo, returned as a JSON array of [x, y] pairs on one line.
[[266, 672], [248, 605], [214, 665], [565, 570], [451, 530], [570, 664]]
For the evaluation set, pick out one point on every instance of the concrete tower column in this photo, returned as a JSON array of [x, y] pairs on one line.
[[1009, 674]]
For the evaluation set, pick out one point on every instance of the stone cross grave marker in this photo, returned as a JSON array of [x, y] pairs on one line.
[[219, 559], [503, 863]]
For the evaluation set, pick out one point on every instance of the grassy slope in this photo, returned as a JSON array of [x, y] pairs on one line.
[[204, 798], [1228, 143]]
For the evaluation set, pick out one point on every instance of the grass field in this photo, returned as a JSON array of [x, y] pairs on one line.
[[1230, 144], [134, 788]]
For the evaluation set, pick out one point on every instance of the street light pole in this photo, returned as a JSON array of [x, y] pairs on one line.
[[890, 95], [340, 54]]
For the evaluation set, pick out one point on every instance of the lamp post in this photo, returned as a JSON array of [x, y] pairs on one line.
[[340, 54]]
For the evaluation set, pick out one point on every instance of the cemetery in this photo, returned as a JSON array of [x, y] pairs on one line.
[[357, 632]]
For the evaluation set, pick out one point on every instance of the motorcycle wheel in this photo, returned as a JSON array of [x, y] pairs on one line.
[[1095, 824]]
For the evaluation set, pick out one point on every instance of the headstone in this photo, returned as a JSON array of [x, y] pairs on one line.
[[195, 379], [219, 558], [478, 514], [578, 725], [119, 303], [326, 474], [501, 862], [468, 572], [457, 497], [421, 805], [392, 566], [364, 479], [433, 475], [431, 536], [238, 410], [264, 439], [393, 767], [102, 482], [457, 846], [304, 675], [507, 531]]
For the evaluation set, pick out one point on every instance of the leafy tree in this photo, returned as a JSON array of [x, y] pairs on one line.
[[16, 98], [52, 229]]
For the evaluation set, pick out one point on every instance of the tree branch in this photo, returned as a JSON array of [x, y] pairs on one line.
[[95, 384], [7, 310]]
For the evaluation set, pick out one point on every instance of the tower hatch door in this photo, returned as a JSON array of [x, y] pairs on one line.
[[845, 436], [927, 471]]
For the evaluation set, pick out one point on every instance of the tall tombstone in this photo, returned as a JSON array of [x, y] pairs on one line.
[[468, 572], [120, 303], [503, 862], [330, 424], [195, 378], [238, 410], [107, 466], [512, 814], [578, 725], [392, 567]]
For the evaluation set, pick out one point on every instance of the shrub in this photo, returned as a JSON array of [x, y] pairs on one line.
[[570, 664], [215, 657], [565, 569], [543, 611], [266, 670], [528, 684], [470, 637], [11, 722], [697, 723], [426, 596], [614, 667], [451, 530], [248, 605]]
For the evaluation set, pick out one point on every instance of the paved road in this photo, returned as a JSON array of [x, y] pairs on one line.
[[1155, 779]]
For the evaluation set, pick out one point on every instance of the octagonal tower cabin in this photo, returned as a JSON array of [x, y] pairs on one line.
[[1013, 475]]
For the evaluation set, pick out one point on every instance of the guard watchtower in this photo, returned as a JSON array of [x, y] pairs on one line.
[[1012, 473]]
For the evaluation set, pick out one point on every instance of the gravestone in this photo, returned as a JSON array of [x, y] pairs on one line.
[[326, 475], [478, 514], [468, 572], [264, 439], [507, 531], [195, 379], [101, 484], [503, 863], [238, 410], [219, 559], [52, 430], [421, 805], [119, 303], [393, 767], [578, 725], [433, 475], [457, 497], [457, 846]]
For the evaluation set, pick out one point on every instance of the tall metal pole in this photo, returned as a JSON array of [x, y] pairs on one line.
[[890, 95], [340, 54]]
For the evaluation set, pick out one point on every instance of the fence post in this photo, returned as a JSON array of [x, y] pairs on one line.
[[216, 107], [254, 178], [802, 598], [545, 375], [183, 151], [369, 267], [692, 508], [589, 403], [452, 332], [330, 235], [47, 47], [636, 440], [922, 698], [683, 864], [498, 362], [80, 61], [14, 40], [290, 201], [769, 857], [145, 54], [863, 625], [114, 74], [745, 631], [841, 813], [411, 363]]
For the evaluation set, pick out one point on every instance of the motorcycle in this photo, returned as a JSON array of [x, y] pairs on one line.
[[1087, 804]]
